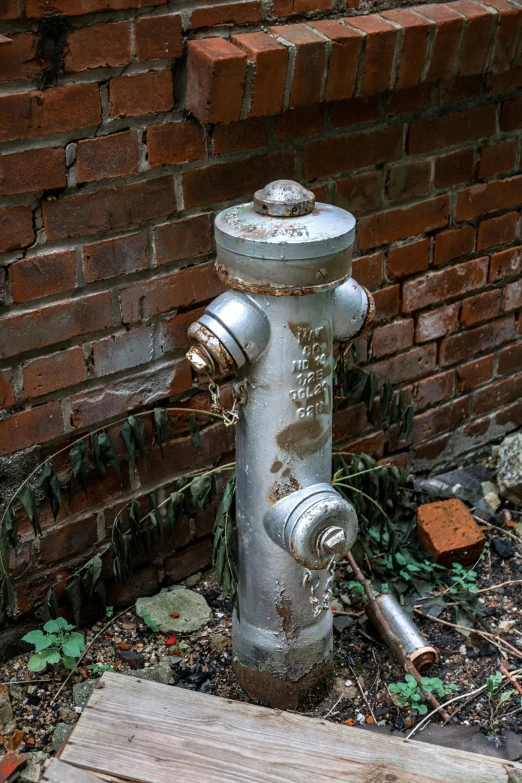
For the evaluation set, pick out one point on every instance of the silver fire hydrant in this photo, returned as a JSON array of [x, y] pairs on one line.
[[288, 263]]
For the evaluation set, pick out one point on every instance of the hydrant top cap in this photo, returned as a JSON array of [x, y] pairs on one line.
[[269, 229]]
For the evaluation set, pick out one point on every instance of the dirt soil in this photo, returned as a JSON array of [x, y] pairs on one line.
[[363, 667]]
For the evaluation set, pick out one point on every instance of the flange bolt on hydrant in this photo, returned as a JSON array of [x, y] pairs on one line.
[[287, 261]]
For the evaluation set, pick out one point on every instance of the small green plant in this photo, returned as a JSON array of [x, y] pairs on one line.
[[411, 696], [356, 588], [463, 580], [99, 668], [147, 619], [58, 642], [109, 611]]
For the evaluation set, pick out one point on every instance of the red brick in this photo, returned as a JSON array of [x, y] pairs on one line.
[[408, 259], [497, 231], [367, 270], [507, 263], [403, 222], [55, 323], [511, 116], [504, 82], [513, 296], [347, 153], [392, 338], [481, 339], [178, 142], [408, 366], [72, 538], [437, 323], [17, 60], [497, 159], [270, 60], [305, 121], [507, 35], [143, 93], [371, 444], [433, 133], [123, 351], [309, 62], [37, 425], [482, 307], [357, 194], [489, 197], [476, 36], [238, 136], [455, 168], [445, 284], [228, 13], [387, 302], [305, 6], [37, 113], [216, 72], [498, 394], [43, 275], [454, 243], [428, 453], [158, 37], [444, 418], [475, 373], [183, 239], [509, 359], [183, 564], [381, 39], [109, 209], [32, 170], [447, 530], [119, 396], [10, 9], [169, 292], [37, 8], [7, 393], [322, 194], [50, 373], [115, 257], [414, 46], [446, 44], [412, 99], [174, 335], [354, 111], [16, 228], [436, 389], [465, 88], [408, 179], [203, 187], [107, 156], [98, 46], [344, 58], [350, 421]]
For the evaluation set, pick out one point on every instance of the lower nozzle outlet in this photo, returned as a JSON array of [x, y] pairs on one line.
[[313, 525]]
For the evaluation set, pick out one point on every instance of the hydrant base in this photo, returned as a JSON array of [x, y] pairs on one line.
[[273, 691]]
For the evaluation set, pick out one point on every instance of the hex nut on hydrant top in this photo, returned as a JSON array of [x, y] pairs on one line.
[[288, 262]]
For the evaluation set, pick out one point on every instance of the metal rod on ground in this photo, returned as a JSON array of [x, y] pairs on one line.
[[391, 639]]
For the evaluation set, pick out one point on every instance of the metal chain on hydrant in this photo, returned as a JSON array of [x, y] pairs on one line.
[[322, 605], [231, 416]]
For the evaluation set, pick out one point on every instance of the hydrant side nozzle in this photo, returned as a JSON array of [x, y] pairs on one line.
[[354, 311]]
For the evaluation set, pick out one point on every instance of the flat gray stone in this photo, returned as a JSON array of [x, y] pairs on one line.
[[194, 612], [509, 467], [158, 672], [82, 691], [6, 711], [60, 734], [35, 767]]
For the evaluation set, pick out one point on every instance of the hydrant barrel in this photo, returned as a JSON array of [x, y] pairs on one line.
[[284, 258]]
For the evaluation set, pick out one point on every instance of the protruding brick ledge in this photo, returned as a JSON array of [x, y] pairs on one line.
[[261, 74]]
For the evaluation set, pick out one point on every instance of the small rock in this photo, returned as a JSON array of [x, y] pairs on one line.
[[341, 623], [504, 549], [135, 659], [67, 715], [194, 612], [7, 724], [16, 692], [517, 530], [35, 767], [506, 625], [219, 641], [60, 735], [192, 581], [158, 672], [509, 467], [82, 691], [491, 497]]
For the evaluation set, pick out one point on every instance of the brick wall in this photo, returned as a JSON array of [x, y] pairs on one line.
[[148, 124]]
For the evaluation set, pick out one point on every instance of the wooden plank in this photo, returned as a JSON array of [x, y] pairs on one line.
[[142, 731], [59, 772]]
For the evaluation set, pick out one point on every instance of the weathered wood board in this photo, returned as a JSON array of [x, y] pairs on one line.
[[142, 731], [58, 772]]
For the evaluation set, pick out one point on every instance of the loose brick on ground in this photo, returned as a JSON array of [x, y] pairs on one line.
[[447, 530]]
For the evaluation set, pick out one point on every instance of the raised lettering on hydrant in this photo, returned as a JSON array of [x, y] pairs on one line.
[[288, 262]]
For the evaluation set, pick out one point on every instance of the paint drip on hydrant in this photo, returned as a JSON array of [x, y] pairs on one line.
[[288, 263]]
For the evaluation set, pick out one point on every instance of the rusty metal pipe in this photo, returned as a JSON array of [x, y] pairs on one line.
[[288, 263]]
